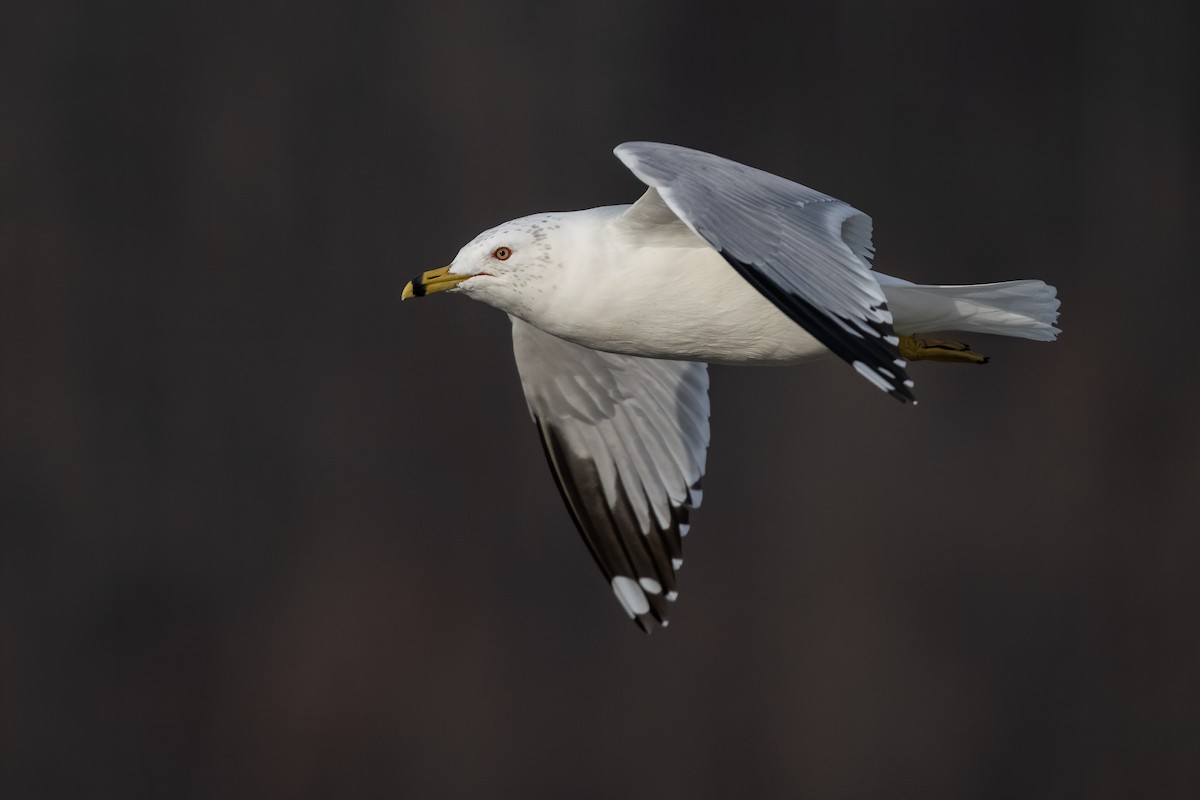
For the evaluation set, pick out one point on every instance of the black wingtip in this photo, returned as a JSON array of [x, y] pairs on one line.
[[612, 533], [863, 343]]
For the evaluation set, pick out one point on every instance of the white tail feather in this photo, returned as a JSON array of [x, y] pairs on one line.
[[1027, 309]]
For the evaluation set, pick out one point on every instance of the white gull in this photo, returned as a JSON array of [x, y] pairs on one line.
[[615, 311]]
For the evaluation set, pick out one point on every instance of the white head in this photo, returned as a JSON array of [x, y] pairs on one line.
[[510, 266]]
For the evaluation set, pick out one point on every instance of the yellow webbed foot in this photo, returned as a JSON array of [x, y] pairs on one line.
[[927, 348]]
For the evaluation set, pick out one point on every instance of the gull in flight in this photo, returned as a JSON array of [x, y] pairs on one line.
[[616, 312]]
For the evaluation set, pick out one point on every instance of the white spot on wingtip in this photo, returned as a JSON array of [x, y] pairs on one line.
[[676, 563], [650, 585], [671, 596], [892, 340], [630, 595], [684, 528]]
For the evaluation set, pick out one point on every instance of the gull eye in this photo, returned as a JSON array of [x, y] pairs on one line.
[[501, 253]]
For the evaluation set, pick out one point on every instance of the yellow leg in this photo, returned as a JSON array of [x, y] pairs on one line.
[[928, 348]]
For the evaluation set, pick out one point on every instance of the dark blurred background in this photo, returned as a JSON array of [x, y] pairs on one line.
[[267, 533]]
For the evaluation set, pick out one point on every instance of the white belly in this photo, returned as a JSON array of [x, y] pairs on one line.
[[680, 303]]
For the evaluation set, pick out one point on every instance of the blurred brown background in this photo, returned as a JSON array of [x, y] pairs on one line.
[[267, 533]]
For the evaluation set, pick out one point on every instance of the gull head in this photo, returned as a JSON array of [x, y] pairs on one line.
[[510, 266]]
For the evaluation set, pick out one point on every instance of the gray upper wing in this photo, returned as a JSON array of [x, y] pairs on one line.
[[806, 252], [626, 439]]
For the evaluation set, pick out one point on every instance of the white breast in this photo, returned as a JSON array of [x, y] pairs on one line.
[[670, 301]]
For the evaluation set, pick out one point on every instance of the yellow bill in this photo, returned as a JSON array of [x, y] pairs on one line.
[[435, 280]]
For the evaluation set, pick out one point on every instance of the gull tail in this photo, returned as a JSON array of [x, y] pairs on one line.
[[1027, 309]]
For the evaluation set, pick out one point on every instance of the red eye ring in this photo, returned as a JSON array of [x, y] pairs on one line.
[[501, 253]]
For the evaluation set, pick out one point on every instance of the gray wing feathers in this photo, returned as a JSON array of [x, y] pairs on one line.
[[807, 252], [753, 215], [626, 440]]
